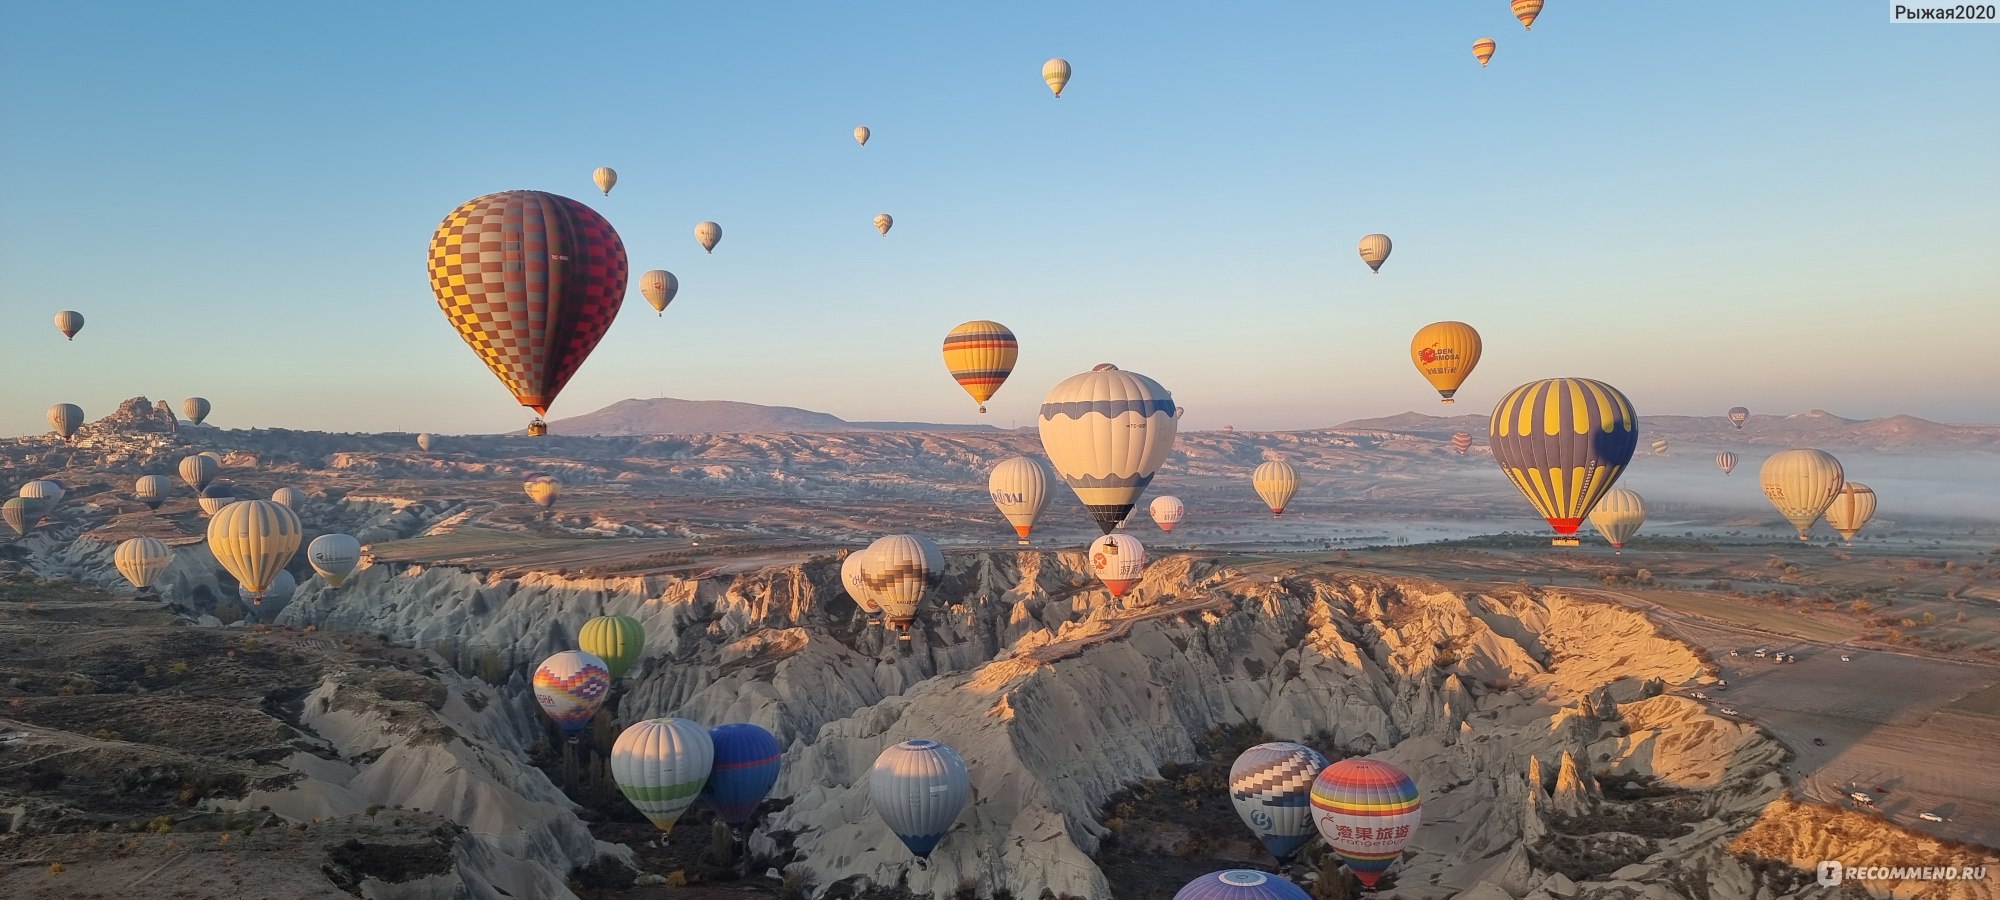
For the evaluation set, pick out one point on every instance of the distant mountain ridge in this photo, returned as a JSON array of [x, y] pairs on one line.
[[667, 415]]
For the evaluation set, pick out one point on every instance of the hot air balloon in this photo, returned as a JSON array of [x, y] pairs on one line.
[[570, 686], [1375, 251], [979, 355], [857, 589], [746, 767], [1726, 461], [883, 222], [1020, 487], [65, 418], [1276, 481], [1659, 446], [69, 322], [1563, 442], [1617, 515], [1271, 786], [289, 496], [211, 455], [1056, 73], [1851, 509], [334, 557], [618, 640], [22, 513], [707, 234], [1801, 483], [216, 497], [152, 490], [254, 539], [1117, 560], [47, 490], [1166, 511], [1107, 431], [275, 596], [531, 281], [861, 134], [1737, 416], [198, 470], [1482, 50], [899, 569], [662, 765], [195, 409], [1366, 809], [1445, 353], [1461, 442], [543, 490], [1241, 884], [919, 788], [1526, 11], [142, 560], [424, 441], [659, 287], [606, 177]]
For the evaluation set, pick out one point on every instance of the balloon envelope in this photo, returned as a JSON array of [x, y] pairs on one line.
[[1563, 442], [1271, 787], [142, 560], [1056, 73], [289, 496], [217, 496], [899, 569], [1618, 515], [1737, 416], [1526, 11], [69, 322], [1366, 809], [659, 287], [195, 409], [1167, 511], [65, 418], [1241, 884], [919, 788], [531, 281], [1275, 481], [1375, 251], [707, 234], [424, 441], [980, 354], [543, 490], [618, 640], [198, 470], [1117, 560], [1801, 483], [570, 686], [152, 490], [1445, 353], [661, 765], [861, 134], [1482, 50], [746, 767], [857, 589], [1107, 431], [1851, 508], [334, 557], [883, 222], [21, 513], [254, 539], [605, 177], [1020, 486], [1461, 442], [1726, 461]]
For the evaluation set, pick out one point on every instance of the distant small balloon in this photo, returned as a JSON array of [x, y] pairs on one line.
[[142, 560], [1482, 50], [1726, 461], [152, 490], [1275, 481], [1375, 251], [1618, 515], [1056, 73], [1117, 560], [1737, 416], [424, 441], [291, 497], [659, 287], [69, 322], [1526, 11], [1852, 507], [606, 177], [883, 222], [195, 409], [334, 557], [1167, 511], [707, 234], [861, 134], [66, 418]]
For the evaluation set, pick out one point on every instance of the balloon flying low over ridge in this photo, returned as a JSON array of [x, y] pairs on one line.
[[1563, 442], [1107, 431]]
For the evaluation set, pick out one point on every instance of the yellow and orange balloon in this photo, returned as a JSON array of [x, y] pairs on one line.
[[980, 354], [1445, 353]]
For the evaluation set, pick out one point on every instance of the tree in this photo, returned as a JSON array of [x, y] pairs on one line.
[[1860, 607]]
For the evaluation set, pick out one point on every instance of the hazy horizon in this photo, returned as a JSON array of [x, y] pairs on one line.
[[1760, 205]]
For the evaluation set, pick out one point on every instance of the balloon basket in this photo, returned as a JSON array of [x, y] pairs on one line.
[[1564, 542]]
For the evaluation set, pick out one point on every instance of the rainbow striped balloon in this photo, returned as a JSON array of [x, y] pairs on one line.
[[570, 686], [980, 355], [1366, 809]]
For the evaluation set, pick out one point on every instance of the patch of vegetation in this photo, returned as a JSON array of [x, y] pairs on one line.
[[354, 861]]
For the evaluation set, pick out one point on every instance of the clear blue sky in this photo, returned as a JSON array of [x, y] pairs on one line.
[[1780, 204]]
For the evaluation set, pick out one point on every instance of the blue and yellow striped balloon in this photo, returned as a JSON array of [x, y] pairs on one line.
[[1366, 809], [1563, 442], [980, 354]]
